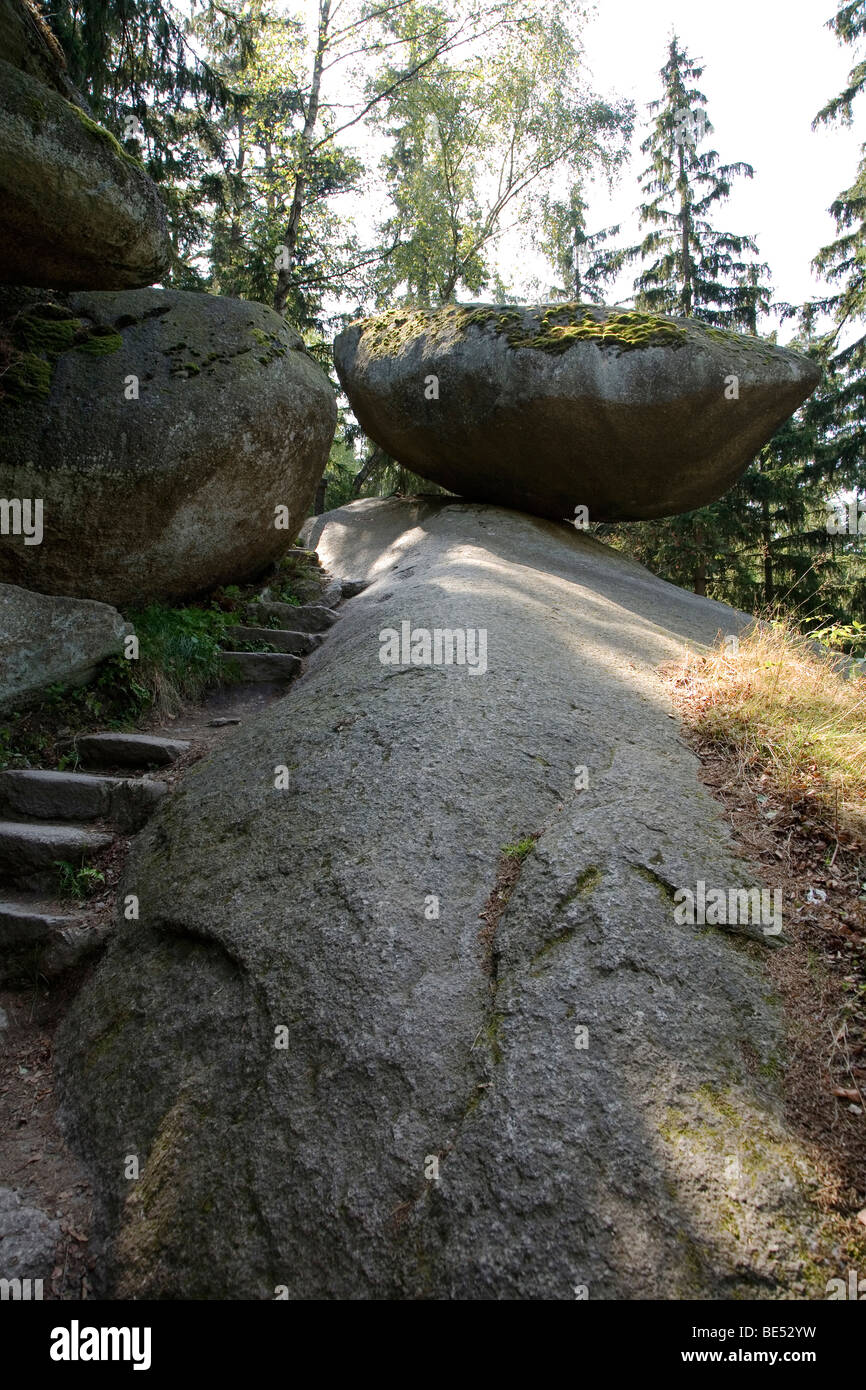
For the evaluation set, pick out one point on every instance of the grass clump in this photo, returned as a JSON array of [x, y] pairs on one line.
[[179, 651], [520, 848], [778, 706]]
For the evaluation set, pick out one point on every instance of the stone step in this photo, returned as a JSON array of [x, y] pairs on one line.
[[54, 943], [129, 750], [350, 588], [29, 852], [80, 796], [331, 594], [27, 919], [279, 637], [259, 667], [309, 617]]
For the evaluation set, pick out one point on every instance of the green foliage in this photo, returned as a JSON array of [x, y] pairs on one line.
[[179, 650], [77, 883], [521, 848], [518, 110], [149, 84], [695, 268], [849, 638], [585, 263]]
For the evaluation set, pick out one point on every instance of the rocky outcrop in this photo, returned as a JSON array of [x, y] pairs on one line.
[[175, 440], [408, 1012], [51, 641], [551, 408], [76, 210]]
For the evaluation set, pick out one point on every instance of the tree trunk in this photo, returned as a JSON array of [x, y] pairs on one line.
[[685, 219], [377, 457], [290, 236], [767, 537]]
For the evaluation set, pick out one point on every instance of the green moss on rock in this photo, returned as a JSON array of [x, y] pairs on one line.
[[39, 335], [105, 136], [100, 342], [553, 330], [46, 334], [28, 377]]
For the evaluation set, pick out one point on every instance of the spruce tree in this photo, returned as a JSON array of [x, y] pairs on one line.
[[695, 270], [843, 265], [585, 262]]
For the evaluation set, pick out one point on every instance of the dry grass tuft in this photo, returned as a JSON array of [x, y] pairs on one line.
[[778, 706]]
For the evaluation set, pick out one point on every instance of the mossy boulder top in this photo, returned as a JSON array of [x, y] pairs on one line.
[[77, 211], [549, 407], [162, 430]]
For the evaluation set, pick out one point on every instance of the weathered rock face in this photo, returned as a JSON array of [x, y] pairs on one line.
[[28, 1239], [549, 408], [76, 210], [49, 641], [27, 42], [311, 1009], [168, 494]]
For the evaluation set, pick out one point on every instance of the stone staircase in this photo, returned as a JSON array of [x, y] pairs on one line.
[[301, 629], [49, 818], [52, 818]]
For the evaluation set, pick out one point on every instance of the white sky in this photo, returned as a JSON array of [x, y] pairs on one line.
[[770, 65]]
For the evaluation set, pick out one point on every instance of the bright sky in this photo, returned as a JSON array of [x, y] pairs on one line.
[[770, 65]]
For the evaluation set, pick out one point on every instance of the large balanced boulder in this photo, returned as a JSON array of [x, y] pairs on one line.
[[555, 407], [77, 211], [52, 641], [406, 1014], [176, 440]]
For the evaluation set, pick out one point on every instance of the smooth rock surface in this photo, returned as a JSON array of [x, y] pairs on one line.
[[175, 492], [27, 919], [309, 617], [30, 851], [549, 408], [54, 640], [311, 1007], [262, 666], [281, 639]]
